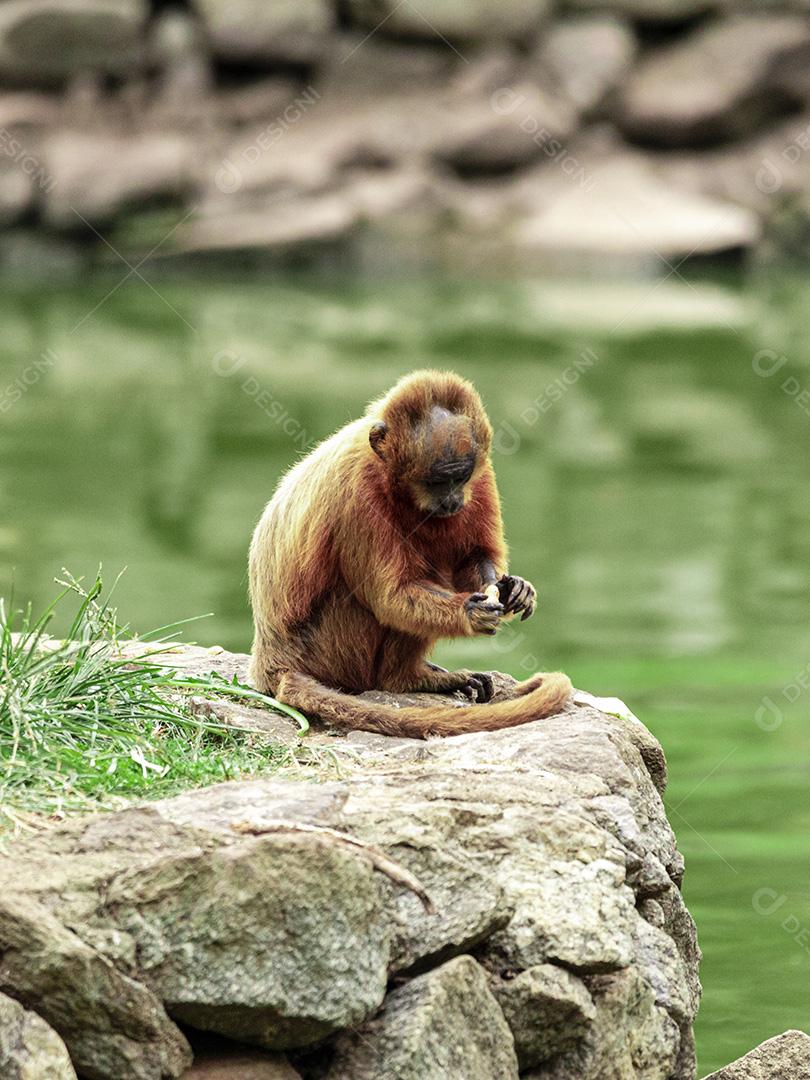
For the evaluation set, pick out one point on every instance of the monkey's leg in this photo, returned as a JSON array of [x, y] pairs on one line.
[[403, 670], [476, 685]]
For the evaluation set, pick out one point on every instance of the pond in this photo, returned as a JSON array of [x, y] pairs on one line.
[[652, 452]]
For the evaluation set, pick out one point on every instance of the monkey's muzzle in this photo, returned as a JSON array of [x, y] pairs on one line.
[[449, 504]]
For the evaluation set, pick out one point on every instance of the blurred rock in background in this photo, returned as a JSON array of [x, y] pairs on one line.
[[527, 133]]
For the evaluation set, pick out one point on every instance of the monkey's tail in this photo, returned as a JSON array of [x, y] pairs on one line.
[[537, 697]]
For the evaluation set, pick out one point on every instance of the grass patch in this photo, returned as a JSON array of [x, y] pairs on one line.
[[83, 727]]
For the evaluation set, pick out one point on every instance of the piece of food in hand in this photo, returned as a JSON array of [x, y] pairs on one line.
[[493, 594]]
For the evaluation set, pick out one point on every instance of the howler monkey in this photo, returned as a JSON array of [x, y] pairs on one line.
[[374, 546]]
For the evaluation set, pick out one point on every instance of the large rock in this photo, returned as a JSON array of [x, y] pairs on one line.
[[502, 130], [456, 20], [717, 83], [277, 911], [29, 1049], [240, 1064], [651, 11], [618, 206], [96, 176], [112, 1024], [631, 1037], [259, 33], [548, 1010], [225, 940], [44, 42], [443, 1024], [587, 57], [785, 1056]]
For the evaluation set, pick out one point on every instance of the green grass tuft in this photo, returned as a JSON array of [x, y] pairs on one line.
[[82, 727]]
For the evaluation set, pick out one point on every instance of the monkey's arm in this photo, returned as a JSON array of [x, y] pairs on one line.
[[485, 564], [477, 571], [425, 609]]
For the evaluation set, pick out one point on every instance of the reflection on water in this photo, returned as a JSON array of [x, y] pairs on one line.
[[654, 476]]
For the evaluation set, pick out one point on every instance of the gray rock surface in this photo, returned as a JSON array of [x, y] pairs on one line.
[[631, 1037], [448, 132], [588, 57], [253, 31], [784, 1057], [651, 11], [240, 1064], [112, 1024], [44, 42], [29, 1049], [548, 1010], [243, 909], [715, 84], [618, 205], [96, 175], [445, 1023], [459, 20]]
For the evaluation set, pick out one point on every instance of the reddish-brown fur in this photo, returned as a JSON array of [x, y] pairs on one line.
[[354, 578]]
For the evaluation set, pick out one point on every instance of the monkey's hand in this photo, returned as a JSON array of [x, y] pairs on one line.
[[517, 595], [484, 615]]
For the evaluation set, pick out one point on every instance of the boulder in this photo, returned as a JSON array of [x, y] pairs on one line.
[[631, 1038], [29, 1048], [618, 206], [786, 1056], [289, 224], [357, 65], [587, 57], [547, 1009], [279, 912], [502, 130], [649, 11], [45, 42], [27, 111], [240, 1064], [112, 1024], [224, 938], [97, 175], [718, 83], [258, 34], [460, 21], [445, 1023]]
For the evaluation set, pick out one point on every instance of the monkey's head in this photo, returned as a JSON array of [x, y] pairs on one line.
[[433, 438]]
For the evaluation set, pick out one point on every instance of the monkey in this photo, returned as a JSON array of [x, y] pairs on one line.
[[382, 540]]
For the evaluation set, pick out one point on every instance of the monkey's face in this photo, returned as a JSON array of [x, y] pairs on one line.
[[435, 458], [445, 489]]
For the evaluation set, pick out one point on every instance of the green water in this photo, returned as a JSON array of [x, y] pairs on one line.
[[655, 488]]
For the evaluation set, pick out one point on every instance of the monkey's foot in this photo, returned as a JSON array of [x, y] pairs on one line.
[[516, 595], [478, 687]]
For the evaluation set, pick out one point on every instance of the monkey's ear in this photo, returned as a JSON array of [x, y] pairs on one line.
[[376, 437]]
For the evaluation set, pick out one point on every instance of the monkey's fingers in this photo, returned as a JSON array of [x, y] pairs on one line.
[[474, 689], [517, 594], [509, 588], [486, 687], [484, 616]]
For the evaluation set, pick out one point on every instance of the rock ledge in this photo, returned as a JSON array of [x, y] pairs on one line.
[[559, 944]]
